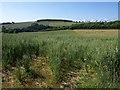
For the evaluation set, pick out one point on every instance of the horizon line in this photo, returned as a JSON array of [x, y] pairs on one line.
[[84, 20]]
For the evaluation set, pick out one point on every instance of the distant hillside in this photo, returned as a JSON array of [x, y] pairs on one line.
[[46, 22], [56, 24]]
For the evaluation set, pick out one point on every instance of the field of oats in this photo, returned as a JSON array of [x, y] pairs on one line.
[[62, 59]]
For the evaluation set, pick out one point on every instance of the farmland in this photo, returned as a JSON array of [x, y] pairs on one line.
[[62, 59]]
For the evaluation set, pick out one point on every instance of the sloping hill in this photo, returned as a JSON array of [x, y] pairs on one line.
[[46, 22]]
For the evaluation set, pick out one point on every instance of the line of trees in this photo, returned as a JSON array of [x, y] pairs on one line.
[[5, 23], [54, 20], [96, 25]]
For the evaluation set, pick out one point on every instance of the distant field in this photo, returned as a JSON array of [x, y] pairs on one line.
[[65, 58], [18, 25], [59, 24], [98, 32]]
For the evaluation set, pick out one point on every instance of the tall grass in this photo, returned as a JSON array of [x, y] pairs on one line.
[[63, 49]]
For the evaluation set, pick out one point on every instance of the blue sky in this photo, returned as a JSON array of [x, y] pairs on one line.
[[30, 11]]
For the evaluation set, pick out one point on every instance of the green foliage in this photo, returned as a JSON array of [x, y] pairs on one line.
[[18, 74], [96, 25], [26, 63], [65, 50], [32, 74], [14, 52]]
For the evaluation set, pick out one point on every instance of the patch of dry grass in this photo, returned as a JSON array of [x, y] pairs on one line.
[[96, 32]]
